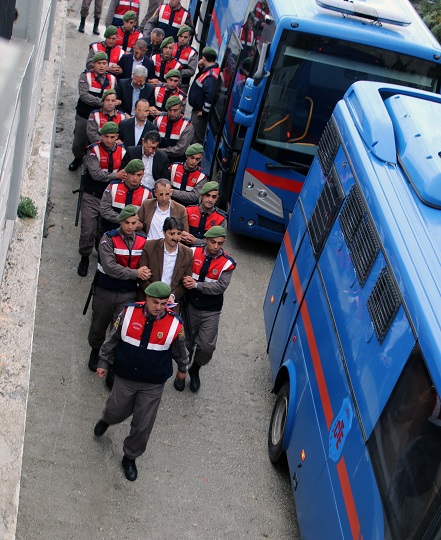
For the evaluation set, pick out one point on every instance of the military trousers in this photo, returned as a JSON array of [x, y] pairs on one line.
[[90, 215], [201, 329], [86, 5]]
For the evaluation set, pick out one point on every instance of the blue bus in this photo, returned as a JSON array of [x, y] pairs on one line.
[[273, 100], [353, 323]]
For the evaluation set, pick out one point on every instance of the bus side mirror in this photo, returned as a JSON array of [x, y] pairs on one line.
[[248, 103]]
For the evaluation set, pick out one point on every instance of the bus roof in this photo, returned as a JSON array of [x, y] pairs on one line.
[[402, 187], [286, 12]]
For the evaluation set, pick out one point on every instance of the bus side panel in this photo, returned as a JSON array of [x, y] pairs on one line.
[[291, 299], [282, 273], [337, 419]]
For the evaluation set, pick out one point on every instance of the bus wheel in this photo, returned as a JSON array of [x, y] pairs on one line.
[[277, 425]]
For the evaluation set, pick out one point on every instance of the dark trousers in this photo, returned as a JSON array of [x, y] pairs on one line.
[[140, 400], [80, 140], [90, 214], [201, 333], [199, 126], [86, 5]]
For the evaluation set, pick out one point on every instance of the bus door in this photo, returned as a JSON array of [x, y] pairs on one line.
[[201, 13]]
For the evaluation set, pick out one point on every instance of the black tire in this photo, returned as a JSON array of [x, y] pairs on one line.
[[276, 431]]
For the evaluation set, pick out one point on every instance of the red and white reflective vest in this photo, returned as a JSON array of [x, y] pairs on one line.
[[183, 179], [246, 36], [122, 195], [170, 136], [223, 263], [212, 72], [162, 94], [123, 7], [123, 255], [132, 38], [171, 20], [162, 67], [103, 156], [183, 54], [101, 118], [115, 52], [95, 87], [260, 11], [164, 332], [199, 223]]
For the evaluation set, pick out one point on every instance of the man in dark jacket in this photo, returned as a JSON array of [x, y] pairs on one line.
[[132, 130], [129, 91], [137, 57]]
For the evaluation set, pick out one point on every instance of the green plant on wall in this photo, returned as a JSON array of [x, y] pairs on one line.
[[26, 208]]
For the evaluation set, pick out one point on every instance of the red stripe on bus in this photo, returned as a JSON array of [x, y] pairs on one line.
[[343, 476], [216, 28], [272, 180]]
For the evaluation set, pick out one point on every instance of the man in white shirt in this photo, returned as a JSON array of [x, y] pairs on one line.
[[153, 215]]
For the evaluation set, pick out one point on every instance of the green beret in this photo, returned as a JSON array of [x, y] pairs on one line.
[[193, 149], [158, 289], [134, 166], [109, 127], [210, 51], [209, 186], [166, 41], [129, 15], [128, 211], [173, 73], [108, 93], [183, 29], [215, 232], [172, 101], [100, 56], [110, 31]]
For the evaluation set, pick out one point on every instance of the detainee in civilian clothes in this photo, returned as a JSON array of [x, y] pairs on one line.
[[144, 340]]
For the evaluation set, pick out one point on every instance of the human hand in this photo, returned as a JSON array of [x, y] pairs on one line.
[[144, 272], [101, 372]]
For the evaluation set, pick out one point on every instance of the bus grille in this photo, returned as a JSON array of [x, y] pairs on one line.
[[325, 212], [383, 304], [327, 148], [359, 235]]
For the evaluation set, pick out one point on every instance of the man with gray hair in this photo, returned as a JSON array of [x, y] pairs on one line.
[[137, 57], [130, 91], [154, 43]]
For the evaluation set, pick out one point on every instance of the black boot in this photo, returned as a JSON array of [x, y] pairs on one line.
[[83, 266], [195, 381], [95, 27], [93, 359], [75, 164], [82, 25]]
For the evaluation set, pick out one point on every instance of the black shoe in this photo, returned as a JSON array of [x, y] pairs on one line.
[[195, 381], [95, 27], [110, 378], [179, 384], [130, 468], [83, 266], [93, 359], [82, 25], [100, 428], [75, 164]]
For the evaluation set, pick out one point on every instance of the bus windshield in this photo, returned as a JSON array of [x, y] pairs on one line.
[[310, 75]]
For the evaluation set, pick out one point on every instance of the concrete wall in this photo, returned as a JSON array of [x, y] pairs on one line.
[[29, 87]]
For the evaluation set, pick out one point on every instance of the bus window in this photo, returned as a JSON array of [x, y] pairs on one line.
[[405, 448], [309, 76]]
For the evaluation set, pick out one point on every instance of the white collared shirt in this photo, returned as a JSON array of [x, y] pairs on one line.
[[138, 131], [148, 180], [169, 265], [157, 223]]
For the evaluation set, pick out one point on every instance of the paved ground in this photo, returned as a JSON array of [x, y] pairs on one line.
[[205, 474]]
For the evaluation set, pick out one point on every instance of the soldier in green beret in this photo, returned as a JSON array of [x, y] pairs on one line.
[[91, 86], [108, 46], [204, 215], [187, 55], [187, 179], [107, 113], [175, 139], [117, 10], [119, 193], [141, 345], [128, 35], [102, 164], [201, 92], [166, 90], [115, 281], [212, 271], [84, 12], [164, 61]]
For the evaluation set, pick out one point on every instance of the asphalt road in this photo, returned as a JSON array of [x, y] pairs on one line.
[[205, 474]]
